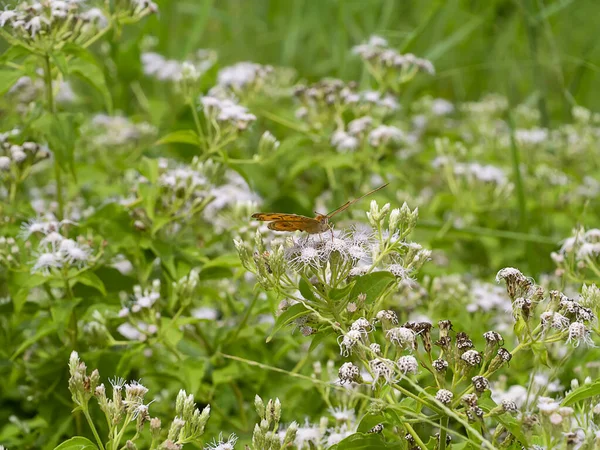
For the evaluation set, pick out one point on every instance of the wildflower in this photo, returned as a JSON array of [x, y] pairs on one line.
[[387, 317], [46, 261], [559, 322], [344, 142], [402, 337], [509, 406], [408, 364], [242, 74], [578, 333], [399, 271], [471, 357], [493, 337], [444, 396], [480, 383], [382, 368], [349, 373], [375, 348], [362, 325], [307, 435], [463, 342], [222, 444], [360, 125], [440, 365], [441, 107], [348, 341], [515, 280], [342, 414], [307, 257], [547, 405], [74, 253], [383, 134]]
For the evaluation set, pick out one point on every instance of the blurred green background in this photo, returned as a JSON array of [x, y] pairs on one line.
[[528, 50]]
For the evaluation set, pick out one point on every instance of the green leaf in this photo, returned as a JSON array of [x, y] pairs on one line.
[[61, 131], [320, 337], [23, 283], [306, 291], [340, 293], [77, 443], [42, 332], [369, 421], [90, 279], [86, 67], [292, 313], [372, 284], [60, 60], [359, 441], [581, 393], [539, 349], [13, 53], [7, 79], [181, 137]]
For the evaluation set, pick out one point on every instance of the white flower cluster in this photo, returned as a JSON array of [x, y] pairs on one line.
[[157, 66], [138, 309], [227, 111], [243, 75], [234, 193], [377, 51], [117, 131], [484, 173], [55, 250], [361, 130], [31, 20], [17, 155], [583, 245]]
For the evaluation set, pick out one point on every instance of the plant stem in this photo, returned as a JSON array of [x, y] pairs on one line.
[[94, 431], [50, 106]]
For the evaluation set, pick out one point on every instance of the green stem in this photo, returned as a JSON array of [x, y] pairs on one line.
[[443, 427], [51, 110], [414, 435], [94, 431]]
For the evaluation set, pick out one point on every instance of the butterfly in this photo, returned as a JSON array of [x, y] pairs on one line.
[[295, 222]]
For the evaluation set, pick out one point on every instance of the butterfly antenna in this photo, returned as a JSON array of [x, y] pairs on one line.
[[351, 202]]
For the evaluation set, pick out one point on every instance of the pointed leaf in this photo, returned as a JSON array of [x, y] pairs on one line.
[[77, 443], [181, 137], [372, 284], [292, 313]]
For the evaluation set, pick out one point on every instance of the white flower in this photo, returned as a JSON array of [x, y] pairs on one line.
[[401, 336], [74, 253], [441, 107], [46, 261], [533, 136], [384, 134], [308, 434], [578, 333], [205, 313], [4, 163], [95, 16], [34, 25], [408, 364], [130, 332], [241, 74], [382, 368], [348, 341], [6, 15], [343, 141], [342, 414]]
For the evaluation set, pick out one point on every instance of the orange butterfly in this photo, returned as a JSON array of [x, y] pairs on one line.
[[294, 222]]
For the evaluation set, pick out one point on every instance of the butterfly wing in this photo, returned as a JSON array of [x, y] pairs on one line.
[[269, 217], [285, 225]]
